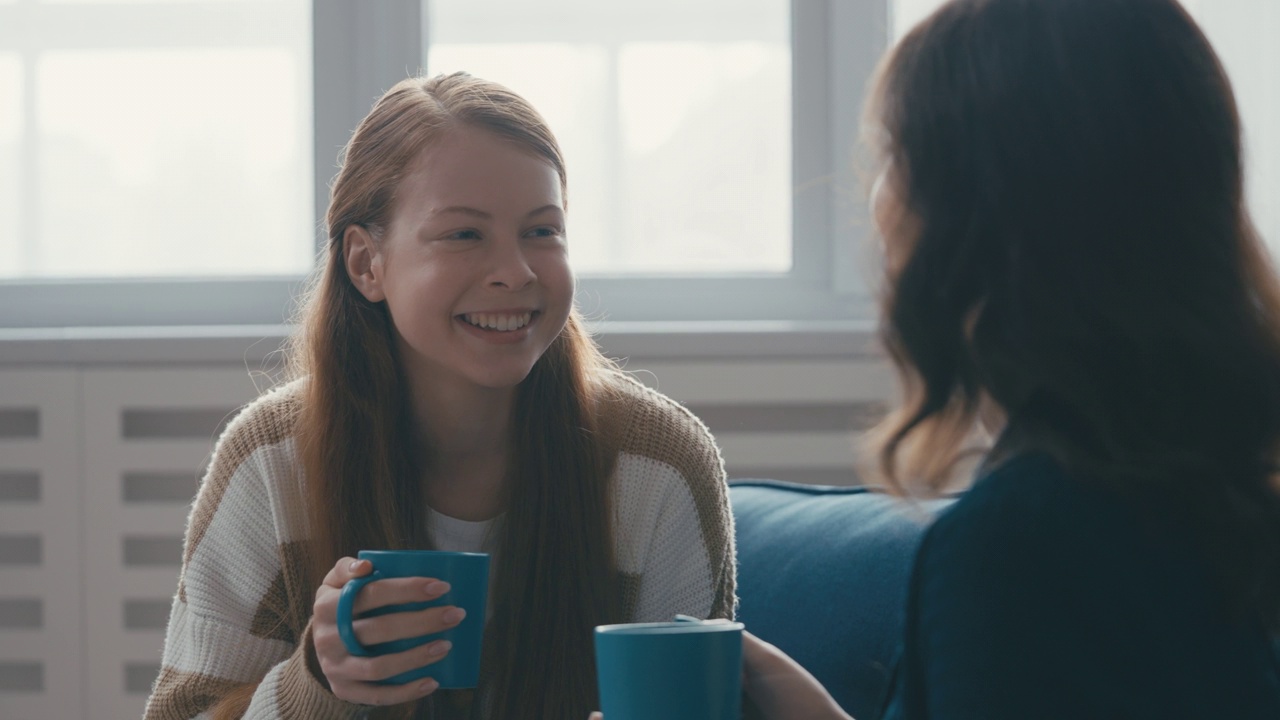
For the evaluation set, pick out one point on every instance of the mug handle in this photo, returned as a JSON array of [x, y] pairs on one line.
[[345, 602]]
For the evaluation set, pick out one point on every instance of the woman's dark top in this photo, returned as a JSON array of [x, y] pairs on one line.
[[1038, 596]]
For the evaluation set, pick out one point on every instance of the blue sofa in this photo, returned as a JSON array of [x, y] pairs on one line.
[[823, 573]]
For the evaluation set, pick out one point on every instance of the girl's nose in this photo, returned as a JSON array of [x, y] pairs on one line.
[[510, 267]]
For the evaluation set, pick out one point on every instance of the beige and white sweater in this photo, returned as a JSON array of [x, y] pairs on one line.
[[241, 613]]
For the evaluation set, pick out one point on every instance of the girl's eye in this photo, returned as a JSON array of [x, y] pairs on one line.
[[546, 232], [463, 235]]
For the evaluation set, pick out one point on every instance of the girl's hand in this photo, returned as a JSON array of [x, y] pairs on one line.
[[354, 678], [780, 688]]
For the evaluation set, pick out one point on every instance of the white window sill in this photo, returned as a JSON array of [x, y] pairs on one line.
[[254, 345]]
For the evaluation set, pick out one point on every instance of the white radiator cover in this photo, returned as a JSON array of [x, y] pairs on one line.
[[98, 467]]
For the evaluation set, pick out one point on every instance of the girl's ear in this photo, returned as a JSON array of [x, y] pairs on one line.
[[364, 262]]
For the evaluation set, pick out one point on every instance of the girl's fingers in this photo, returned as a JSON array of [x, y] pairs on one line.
[[346, 569], [389, 591], [398, 591], [325, 607], [399, 625], [356, 679], [374, 669]]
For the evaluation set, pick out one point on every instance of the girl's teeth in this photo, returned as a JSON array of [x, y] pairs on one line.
[[501, 323]]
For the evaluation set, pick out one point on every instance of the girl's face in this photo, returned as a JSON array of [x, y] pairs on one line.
[[473, 265]]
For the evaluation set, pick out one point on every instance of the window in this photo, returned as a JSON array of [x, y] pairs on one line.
[[156, 139], [155, 160], [11, 133], [674, 116], [165, 162]]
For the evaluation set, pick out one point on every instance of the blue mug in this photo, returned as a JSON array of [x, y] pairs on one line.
[[674, 671], [468, 577]]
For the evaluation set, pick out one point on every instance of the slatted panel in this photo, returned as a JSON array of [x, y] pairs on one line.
[[40, 533], [98, 467], [148, 436], [787, 420]]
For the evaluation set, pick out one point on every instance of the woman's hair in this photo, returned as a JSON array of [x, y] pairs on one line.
[[1079, 252], [557, 576]]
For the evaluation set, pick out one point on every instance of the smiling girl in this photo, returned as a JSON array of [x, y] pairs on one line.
[[446, 396]]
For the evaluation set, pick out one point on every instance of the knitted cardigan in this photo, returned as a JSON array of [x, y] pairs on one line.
[[240, 615]]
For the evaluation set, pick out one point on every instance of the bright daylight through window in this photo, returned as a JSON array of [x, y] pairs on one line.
[[175, 141], [709, 144], [674, 116], [155, 139]]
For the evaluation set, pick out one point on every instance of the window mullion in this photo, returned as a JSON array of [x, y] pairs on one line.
[[859, 35], [614, 178], [811, 160], [359, 50], [28, 206]]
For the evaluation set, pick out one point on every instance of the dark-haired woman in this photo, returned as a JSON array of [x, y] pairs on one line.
[[1067, 247]]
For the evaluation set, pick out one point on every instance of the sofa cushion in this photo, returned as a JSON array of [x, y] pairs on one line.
[[823, 573]]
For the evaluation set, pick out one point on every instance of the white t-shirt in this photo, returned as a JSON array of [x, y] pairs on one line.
[[450, 533]]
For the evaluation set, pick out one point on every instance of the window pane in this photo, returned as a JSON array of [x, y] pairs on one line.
[[906, 13], [1243, 34], [675, 122], [10, 136], [182, 150], [172, 162], [144, 2]]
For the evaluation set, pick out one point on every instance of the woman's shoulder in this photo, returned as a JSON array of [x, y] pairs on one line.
[[267, 422], [1028, 501], [269, 418], [1031, 481], [249, 503], [1036, 512], [640, 421]]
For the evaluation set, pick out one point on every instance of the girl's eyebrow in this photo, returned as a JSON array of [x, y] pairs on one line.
[[543, 209], [464, 210], [474, 212]]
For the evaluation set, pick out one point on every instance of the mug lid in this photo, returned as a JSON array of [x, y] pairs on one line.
[[669, 628], [436, 553]]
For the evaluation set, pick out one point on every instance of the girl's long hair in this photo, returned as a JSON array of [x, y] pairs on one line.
[[557, 576], [1079, 252]]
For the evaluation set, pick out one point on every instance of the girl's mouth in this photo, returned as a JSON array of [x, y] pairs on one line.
[[499, 322]]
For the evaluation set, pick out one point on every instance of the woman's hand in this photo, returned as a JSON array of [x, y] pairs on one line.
[[353, 678], [780, 688]]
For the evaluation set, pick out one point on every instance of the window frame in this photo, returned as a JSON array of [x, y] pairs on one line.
[[359, 49]]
